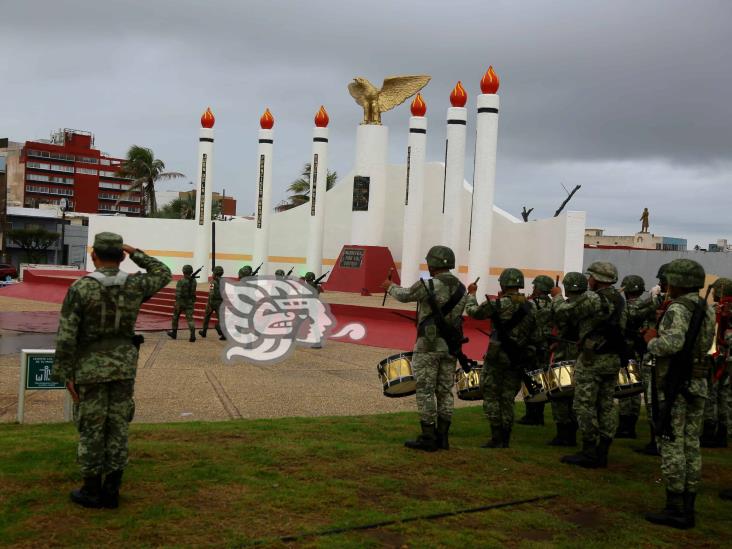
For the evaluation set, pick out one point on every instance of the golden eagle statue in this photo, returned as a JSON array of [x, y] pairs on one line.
[[395, 91]]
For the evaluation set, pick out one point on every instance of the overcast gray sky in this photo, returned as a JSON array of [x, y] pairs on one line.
[[629, 99]]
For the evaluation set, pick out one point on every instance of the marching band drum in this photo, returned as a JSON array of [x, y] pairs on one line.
[[397, 376]]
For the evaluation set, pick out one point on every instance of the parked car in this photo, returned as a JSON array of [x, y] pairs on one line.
[[7, 271]]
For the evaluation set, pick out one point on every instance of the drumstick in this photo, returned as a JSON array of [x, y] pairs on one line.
[[386, 292], [556, 282]]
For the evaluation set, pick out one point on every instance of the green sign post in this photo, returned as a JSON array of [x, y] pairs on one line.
[[36, 369]]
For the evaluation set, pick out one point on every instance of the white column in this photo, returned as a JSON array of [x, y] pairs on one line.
[[264, 191], [369, 199], [202, 249], [454, 227], [318, 186], [484, 189], [412, 248]]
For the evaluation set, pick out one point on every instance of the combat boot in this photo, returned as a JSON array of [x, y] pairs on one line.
[[566, 435], [506, 432], [726, 494], [689, 511], [443, 428], [222, 337], [427, 441], [721, 438], [650, 449], [89, 495], [193, 335], [496, 440], [172, 334], [534, 414], [708, 438], [110, 489], [626, 427], [603, 448], [587, 457], [673, 514], [202, 333]]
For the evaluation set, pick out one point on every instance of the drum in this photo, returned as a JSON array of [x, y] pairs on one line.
[[630, 380], [539, 379], [560, 379], [395, 372], [468, 385]]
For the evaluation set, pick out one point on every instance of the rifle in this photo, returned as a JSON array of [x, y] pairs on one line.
[[512, 349], [195, 273], [318, 280], [290, 271], [386, 292], [255, 271], [680, 368], [452, 336]]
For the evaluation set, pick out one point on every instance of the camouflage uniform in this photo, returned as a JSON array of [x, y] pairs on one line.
[[511, 351], [680, 455], [245, 271], [95, 351], [185, 300], [433, 366], [214, 302], [598, 314]]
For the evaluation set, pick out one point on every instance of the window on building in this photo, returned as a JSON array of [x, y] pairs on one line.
[[87, 160], [87, 171]]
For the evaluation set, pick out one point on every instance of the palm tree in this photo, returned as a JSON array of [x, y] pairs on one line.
[[300, 189], [184, 207], [145, 170]]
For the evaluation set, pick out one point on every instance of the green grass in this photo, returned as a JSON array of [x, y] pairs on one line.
[[231, 483]]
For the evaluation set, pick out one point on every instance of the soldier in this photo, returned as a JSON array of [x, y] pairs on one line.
[[566, 349], [727, 338], [511, 351], [639, 315], [245, 271], [96, 356], [543, 284], [598, 313], [716, 412], [433, 365], [280, 273], [214, 302], [185, 300], [680, 456]]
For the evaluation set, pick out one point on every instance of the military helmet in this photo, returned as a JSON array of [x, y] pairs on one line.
[[661, 274], [310, 276], [543, 283], [574, 282], [511, 278], [440, 257], [218, 270], [246, 270], [187, 269], [685, 273], [722, 287], [633, 284], [603, 271], [279, 272]]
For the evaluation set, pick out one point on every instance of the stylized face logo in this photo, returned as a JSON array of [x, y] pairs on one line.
[[265, 317]]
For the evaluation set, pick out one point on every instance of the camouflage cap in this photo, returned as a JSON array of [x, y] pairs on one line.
[[685, 273], [511, 278], [246, 270], [107, 242], [218, 270], [187, 269], [440, 257], [543, 283], [661, 274], [574, 282], [633, 284], [310, 276], [279, 272], [603, 271], [722, 287]]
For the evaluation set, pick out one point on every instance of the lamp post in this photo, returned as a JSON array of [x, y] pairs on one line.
[[63, 204]]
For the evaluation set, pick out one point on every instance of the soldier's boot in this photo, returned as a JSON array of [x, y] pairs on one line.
[[89, 495], [689, 511], [222, 337], [650, 449], [193, 335], [534, 414], [626, 427], [202, 332], [427, 441], [172, 334], [110, 489], [726, 494], [443, 428], [587, 457], [566, 435], [572, 428], [672, 514], [721, 438], [708, 437], [506, 436], [496, 440], [603, 449]]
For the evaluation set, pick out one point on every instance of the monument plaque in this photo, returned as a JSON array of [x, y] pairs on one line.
[[360, 193], [352, 258]]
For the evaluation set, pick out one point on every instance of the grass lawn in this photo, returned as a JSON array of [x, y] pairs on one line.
[[231, 483]]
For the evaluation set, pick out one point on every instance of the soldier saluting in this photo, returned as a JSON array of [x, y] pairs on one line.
[[96, 356]]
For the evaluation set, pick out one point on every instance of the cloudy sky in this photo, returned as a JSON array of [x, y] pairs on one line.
[[629, 99]]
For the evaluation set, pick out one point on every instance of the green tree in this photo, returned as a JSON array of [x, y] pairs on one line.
[[145, 170], [300, 189], [34, 241], [185, 208]]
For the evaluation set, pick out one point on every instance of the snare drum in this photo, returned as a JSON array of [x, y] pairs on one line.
[[468, 385], [630, 381], [395, 372], [539, 379], [560, 379]]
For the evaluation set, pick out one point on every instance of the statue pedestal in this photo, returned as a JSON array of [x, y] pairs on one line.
[[361, 267]]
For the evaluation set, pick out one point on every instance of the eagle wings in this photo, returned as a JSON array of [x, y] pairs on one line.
[[395, 91]]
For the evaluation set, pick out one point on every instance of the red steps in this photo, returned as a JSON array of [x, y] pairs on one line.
[[163, 302]]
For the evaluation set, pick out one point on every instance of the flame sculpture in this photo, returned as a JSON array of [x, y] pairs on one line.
[[207, 119], [458, 96], [321, 118], [267, 120], [490, 82], [419, 107]]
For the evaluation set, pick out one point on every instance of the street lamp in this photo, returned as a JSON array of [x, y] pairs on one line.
[[63, 204]]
